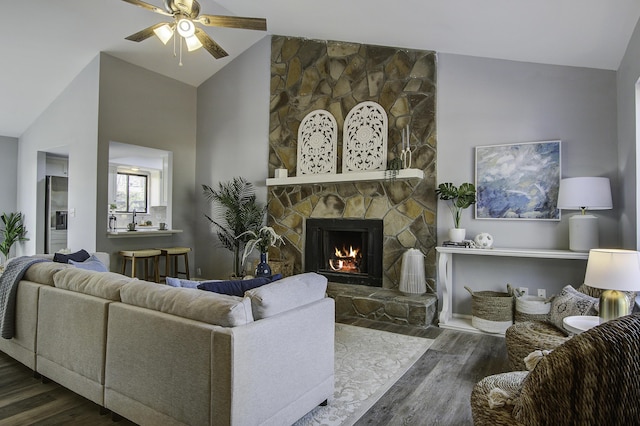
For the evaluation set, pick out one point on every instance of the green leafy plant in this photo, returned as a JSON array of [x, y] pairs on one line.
[[263, 239], [13, 230], [234, 212], [459, 198]]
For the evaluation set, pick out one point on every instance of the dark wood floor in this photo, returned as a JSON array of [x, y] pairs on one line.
[[25, 400], [435, 391]]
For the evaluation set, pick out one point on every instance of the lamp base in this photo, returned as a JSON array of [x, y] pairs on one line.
[[583, 232], [613, 304]]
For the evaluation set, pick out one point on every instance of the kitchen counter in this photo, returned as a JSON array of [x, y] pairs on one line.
[[142, 232]]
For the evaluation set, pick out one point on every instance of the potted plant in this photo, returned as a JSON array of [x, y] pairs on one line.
[[235, 211], [459, 198], [12, 231], [264, 238]]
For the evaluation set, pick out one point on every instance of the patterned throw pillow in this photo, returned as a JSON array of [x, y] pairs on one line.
[[571, 302]]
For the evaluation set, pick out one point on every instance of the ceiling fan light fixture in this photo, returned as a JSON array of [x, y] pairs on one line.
[[186, 28], [164, 33], [192, 43]]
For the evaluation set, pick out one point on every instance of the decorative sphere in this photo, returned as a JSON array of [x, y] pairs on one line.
[[483, 240]]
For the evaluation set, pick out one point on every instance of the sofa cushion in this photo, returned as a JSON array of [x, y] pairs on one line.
[[287, 293], [212, 308], [79, 256], [91, 264], [106, 285], [236, 287], [43, 272]]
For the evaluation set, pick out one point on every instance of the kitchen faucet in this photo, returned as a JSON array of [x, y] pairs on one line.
[[133, 219]]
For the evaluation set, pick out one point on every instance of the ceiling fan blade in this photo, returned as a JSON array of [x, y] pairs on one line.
[[211, 46], [149, 7], [144, 34], [259, 24]]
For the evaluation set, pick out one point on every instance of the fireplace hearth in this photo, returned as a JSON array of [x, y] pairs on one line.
[[346, 251]]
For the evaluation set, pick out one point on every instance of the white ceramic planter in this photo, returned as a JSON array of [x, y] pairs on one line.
[[457, 234]]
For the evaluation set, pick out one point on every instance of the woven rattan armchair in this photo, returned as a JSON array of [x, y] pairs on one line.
[[522, 338], [591, 379]]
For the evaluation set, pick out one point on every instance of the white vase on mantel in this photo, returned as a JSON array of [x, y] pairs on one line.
[[457, 234]]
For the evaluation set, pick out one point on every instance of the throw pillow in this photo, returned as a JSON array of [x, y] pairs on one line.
[[91, 264], [177, 282], [233, 287], [79, 256], [571, 302], [597, 292]]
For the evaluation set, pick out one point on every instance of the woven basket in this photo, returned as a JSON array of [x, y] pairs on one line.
[[532, 308], [492, 311]]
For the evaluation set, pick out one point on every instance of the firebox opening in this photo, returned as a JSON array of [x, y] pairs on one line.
[[345, 250]]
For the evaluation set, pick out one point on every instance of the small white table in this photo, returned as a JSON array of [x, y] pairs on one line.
[[445, 273], [579, 323]]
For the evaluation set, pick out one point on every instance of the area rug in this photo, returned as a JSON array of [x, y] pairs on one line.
[[368, 362]]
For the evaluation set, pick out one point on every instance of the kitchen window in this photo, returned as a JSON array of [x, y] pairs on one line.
[[131, 192]]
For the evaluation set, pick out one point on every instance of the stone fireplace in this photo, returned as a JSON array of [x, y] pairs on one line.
[[345, 250], [307, 75]]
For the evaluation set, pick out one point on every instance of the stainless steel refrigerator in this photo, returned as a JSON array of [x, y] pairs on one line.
[[56, 204]]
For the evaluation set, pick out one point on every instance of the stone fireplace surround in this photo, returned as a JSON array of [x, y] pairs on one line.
[[335, 76]]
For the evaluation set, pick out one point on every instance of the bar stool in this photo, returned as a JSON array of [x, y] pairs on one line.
[[170, 253], [146, 255]]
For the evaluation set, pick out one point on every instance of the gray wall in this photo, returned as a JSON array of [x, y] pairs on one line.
[[109, 100], [9, 167], [69, 125], [233, 131], [628, 137], [485, 102], [480, 102], [140, 107]]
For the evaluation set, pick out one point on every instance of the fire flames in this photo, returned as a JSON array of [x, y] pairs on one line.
[[345, 260]]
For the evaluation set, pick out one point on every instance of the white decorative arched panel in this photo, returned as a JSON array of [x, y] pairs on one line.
[[317, 144], [364, 138]]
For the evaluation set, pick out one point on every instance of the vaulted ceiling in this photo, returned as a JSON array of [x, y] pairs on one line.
[[45, 43]]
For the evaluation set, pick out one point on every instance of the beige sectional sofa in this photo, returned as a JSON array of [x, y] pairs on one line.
[[162, 355]]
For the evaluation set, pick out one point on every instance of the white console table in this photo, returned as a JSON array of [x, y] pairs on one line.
[[445, 274]]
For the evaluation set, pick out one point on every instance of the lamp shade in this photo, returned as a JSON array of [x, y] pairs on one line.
[[164, 33], [592, 193], [613, 269]]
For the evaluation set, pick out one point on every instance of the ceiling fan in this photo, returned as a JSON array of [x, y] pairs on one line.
[[185, 14]]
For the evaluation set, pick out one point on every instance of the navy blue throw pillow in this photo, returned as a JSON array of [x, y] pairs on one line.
[[79, 256], [234, 287]]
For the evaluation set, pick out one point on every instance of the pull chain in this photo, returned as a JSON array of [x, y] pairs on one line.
[[174, 46]]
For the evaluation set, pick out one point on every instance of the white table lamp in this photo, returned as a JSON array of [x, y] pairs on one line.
[[584, 193], [614, 271]]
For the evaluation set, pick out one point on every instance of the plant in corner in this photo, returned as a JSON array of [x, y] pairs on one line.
[[459, 198], [13, 231], [234, 212]]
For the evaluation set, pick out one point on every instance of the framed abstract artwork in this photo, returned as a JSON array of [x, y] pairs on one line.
[[518, 181]]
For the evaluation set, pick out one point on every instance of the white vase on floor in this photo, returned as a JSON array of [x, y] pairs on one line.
[[457, 234]]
